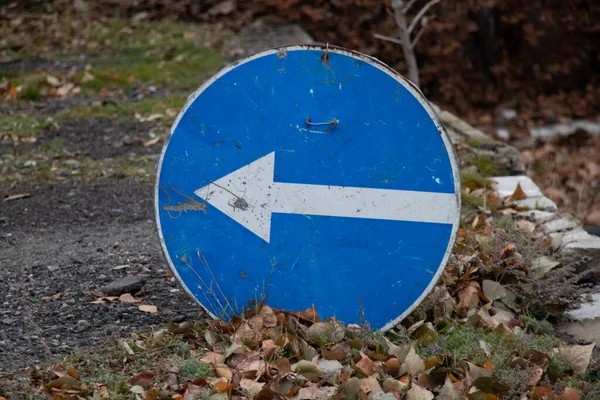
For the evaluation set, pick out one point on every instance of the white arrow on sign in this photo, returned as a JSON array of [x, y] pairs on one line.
[[249, 196]]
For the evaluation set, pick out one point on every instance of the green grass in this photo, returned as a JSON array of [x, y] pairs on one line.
[[485, 165], [23, 125], [190, 66], [193, 368], [128, 110], [52, 164]]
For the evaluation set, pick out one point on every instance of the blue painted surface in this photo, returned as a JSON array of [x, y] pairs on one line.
[[385, 139]]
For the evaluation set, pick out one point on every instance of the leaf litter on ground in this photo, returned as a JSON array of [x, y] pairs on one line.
[[473, 337]]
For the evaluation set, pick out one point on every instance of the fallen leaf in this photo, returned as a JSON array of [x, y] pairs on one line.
[[222, 386], [251, 387], [313, 393], [52, 80], [148, 308], [309, 314], [468, 297], [393, 385], [213, 358], [268, 316], [577, 356], [350, 389], [416, 392], [507, 250], [143, 379], [137, 389], [65, 382], [525, 225], [542, 265], [320, 331], [269, 348], [366, 365], [518, 194], [128, 298], [392, 367], [223, 371], [413, 365], [152, 394], [448, 392], [541, 393], [73, 373], [570, 394], [499, 316], [307, 369]]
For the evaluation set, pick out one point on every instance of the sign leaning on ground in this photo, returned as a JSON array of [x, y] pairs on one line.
[[304, 176]]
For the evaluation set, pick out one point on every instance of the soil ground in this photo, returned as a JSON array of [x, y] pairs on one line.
[[65, 241]]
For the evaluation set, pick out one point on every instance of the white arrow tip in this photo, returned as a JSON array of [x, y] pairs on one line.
[[243, 195]]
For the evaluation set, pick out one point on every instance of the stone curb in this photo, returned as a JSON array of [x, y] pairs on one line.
[[572, 242]]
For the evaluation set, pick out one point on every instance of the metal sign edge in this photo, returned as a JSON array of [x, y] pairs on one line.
[[408, 85]]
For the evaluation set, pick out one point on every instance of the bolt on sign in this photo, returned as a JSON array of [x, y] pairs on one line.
[[308, 175]]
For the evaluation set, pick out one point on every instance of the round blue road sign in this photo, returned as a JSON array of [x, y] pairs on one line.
[[305, 176]]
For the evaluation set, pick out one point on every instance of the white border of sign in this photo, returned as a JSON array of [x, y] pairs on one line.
[[373, 62]]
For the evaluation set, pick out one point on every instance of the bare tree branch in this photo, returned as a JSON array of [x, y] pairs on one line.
[[409, 54], [408, 6], [421, 31], [417, 37], [420, 15], [388, 38]]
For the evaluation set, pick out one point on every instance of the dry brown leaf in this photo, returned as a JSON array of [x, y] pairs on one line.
[[541, 393], [448, 392], [507, 250], [222, 387], [373, 384], [251, 387], [393, 385], [310, 314], [413, 365], [518, 194], [268, 317], [536, 375], [308, 369], [128, 298], [269, 348], [103, 391], [314, 392], [148, 308], [392, 367], [73, 373], [65, 382], [143, 379], [578, 356], [152, 394], [493, 290], [475, 372], [213, 358], [570, 394], [223, 371], [468, 297], [416, 392], [366, 365]]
